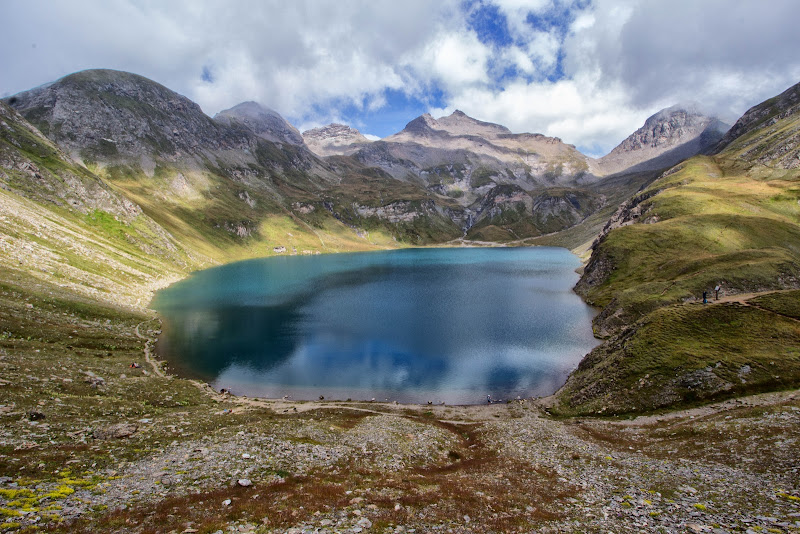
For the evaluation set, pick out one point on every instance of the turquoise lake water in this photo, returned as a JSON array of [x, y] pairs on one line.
[[416, 325]]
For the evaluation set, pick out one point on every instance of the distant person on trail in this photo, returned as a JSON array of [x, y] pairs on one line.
[[705, 297]]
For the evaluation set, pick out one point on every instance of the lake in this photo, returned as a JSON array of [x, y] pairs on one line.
[[414, 325]]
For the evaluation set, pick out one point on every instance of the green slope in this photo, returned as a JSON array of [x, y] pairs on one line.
[[731, 220]]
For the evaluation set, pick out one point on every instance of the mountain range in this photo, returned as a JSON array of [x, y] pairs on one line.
[[443, 178]]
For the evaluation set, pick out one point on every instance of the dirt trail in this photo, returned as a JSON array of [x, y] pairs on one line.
[[745, 298], [148, 344]]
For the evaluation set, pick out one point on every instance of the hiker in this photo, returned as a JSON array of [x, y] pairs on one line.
[[705, 297], [134, 365]]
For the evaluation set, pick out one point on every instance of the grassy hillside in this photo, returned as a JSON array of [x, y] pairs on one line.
[[727, 221]]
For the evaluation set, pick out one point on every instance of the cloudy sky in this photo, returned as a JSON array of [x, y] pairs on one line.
[[588, 71]]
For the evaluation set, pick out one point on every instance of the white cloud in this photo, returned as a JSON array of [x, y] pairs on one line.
[[516, 13], [455, 59], [319, 60], [576, 110]]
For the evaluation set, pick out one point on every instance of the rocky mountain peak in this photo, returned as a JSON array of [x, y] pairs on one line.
[[262, 121], [334, 139], [423, 125], [459, 123], [456, 124], [667, 137], [667, 128], [108, 114]]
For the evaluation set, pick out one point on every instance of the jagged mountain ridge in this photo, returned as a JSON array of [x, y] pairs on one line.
[[427, 146], [466, 158], [502, 180], [479, 175], [226, 176], [215, 181]]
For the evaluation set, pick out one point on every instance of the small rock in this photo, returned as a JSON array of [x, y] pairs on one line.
[[244, 482], [35, 415], [118, 431], [246, 456], [364, 523], [226, 502]]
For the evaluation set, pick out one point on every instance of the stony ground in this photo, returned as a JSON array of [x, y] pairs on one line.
[[89, 444]]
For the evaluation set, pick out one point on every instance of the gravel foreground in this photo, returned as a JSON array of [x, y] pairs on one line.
[[89, 444]]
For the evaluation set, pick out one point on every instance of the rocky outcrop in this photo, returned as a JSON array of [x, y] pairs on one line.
[[602, 263], [394, 213]]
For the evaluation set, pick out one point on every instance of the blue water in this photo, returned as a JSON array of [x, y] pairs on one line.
[[441, 325]]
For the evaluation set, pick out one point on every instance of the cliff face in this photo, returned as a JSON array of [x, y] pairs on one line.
[[110, 117]]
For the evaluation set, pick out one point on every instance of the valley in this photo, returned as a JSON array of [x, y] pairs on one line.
[[685, 418]]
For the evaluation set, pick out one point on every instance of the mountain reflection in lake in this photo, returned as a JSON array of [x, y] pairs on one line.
[[418, 325]]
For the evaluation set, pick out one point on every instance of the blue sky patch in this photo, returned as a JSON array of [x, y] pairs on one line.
[[489, 24], [399, 110]]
